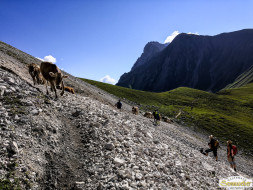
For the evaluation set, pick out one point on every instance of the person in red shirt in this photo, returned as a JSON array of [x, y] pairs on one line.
[[231, 155]]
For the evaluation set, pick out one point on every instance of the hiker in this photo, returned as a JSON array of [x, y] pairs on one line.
[[157, 117], [154, 114], [118, 104], [213, 147], [231, 152]]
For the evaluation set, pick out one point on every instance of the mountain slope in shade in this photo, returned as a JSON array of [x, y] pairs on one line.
[[203, 62]]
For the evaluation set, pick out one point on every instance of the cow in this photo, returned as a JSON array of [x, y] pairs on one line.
[[135, 110], [53, 75], [35, 73], [148, 115], [167, 120], [68, 89]]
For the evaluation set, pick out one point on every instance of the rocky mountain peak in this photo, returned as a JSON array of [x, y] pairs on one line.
[[150, 50]]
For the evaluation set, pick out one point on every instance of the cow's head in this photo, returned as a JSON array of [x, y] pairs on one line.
[[58, 78]]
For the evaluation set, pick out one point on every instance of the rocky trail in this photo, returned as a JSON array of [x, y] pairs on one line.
[[82, 141]]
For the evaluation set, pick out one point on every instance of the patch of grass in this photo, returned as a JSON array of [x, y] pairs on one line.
[[227, 114], [12, 100], [7, 184], [16, 106]]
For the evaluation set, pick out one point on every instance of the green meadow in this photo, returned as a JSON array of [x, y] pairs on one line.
[[227, 114]]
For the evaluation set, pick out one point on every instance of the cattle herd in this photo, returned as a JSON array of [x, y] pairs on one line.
[[49, 73], [135, 110]]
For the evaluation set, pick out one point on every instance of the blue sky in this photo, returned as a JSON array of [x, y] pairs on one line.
[[95, 38]]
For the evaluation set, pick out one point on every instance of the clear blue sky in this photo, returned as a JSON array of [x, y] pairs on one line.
[[94, 38]]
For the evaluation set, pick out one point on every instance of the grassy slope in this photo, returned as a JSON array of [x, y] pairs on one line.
[[227, 115]]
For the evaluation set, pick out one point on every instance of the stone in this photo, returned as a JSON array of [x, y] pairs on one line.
[[80, 183], [118, 161], [207, 166], [2, 90], [100, 187], [12, 89], [16, 117], [2, 87], [12, 148], [109, 146], [76, 113], [121, 173], [149, 135], [9, 80], [138, 176], [143, 183], [34, 112]]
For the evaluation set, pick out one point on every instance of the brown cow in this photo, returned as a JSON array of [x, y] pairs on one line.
[[167, 120], [35, 73], [53, 75], [68, 89], [148, 115], [135, 110]]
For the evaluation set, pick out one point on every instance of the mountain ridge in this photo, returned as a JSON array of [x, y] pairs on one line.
[[203, 62]]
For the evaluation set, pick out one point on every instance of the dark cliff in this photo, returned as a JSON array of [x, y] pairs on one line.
[[202, 62]]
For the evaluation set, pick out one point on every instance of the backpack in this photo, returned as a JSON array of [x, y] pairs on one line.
[[158, 116], [234, 149], [119, 105], [216, 143]]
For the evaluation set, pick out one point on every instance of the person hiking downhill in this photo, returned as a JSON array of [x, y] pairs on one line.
[[156, 117], [231, 152], [154, 114], [213, 146], [118, 104]]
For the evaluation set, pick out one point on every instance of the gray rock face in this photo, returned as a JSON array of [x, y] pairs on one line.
[[194, 61], [150, 50]]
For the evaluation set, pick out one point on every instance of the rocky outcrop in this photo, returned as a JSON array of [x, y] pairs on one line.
[[150, 50], [202, 62], [82, 141]]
